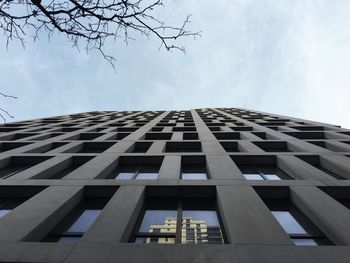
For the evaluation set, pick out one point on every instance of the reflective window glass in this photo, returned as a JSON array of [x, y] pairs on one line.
[[253, 177], [304, 242], [4, 212], [288, 222], [146, 176], [158, 218], [77, 222], [194, 172], [272, 177], [125, 176], [197, 226], [194, 176], [85, 220]]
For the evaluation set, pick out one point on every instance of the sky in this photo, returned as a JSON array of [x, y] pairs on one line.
[[289, 57]]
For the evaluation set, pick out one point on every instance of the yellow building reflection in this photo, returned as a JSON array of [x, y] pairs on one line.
[[192, 232]]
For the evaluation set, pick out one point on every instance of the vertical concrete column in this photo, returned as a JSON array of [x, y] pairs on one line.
[[33, 219], [299, 169], [118, 218], [247, 219], [337, 146], [157, 147], [209, 142], [336, 163], [332, 218], [247, 146], [249, 136], [98, 167], [171, 167], [44, 169], [222, 167], [302, 146], [177, 136]]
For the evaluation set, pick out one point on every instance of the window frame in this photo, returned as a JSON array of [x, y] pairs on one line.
[[312, 232], [61, 229], [262, 174], [137, 169], [177, 205]]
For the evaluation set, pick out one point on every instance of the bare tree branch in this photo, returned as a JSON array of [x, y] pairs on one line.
[[90, 23]]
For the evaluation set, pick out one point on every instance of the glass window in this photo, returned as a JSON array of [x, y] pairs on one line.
[[194, 172], [4, 212], [263, 172], [73, 227], [7, 205], [253, 176], [288, 222], [145, 172], [304, 242], [125, 176], [200, 226], [299, 228], [85, 220], [272, 177]]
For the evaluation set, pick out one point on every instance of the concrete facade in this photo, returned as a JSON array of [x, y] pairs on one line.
[[55, 163]]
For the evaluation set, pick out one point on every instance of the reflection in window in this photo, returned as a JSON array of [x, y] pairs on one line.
[[194, 172], [198, 225], [145, 172], [299, 228], [73, 227], [263, 172]]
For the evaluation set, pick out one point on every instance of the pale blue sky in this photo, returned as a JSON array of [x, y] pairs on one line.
[[286, 57]]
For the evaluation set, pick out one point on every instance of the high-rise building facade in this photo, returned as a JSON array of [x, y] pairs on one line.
[[214, 185]]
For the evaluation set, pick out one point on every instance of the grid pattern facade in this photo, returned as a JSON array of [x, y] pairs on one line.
[[77, 188]]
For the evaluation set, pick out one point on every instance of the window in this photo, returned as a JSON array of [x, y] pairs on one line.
[[184, 221], [158, 136], [315, 161], [92, 147], [73, 227], [227, 135], [18, 164], [8, 204], [193, 168], [142, 172], [140, 147], [340, 194], [263, 172], [183, 147], [273, 146], [230, 146], [299, 228], [74, 163], [194, 172]]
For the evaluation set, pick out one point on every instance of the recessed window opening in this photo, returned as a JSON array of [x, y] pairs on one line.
[[180, 221]]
